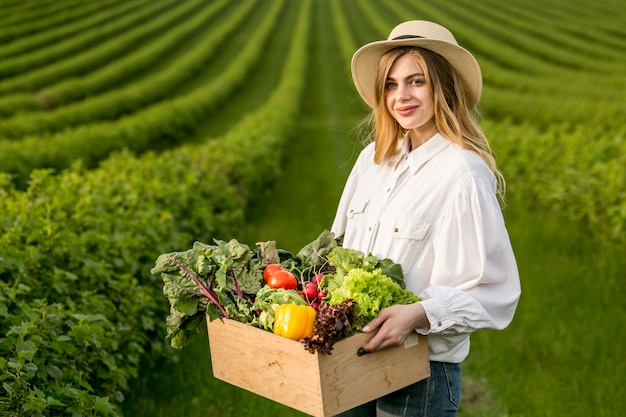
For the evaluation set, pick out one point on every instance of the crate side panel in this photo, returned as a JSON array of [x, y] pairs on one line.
[[349, 380], [266, 364]]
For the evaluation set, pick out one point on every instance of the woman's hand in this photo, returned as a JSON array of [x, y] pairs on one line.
[[395, 324]]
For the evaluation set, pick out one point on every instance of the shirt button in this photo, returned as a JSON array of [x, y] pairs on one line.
[[388, 189], [369, 228], [439, 323], [395, 229]]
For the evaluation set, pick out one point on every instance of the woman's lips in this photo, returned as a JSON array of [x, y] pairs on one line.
[[406, 110]]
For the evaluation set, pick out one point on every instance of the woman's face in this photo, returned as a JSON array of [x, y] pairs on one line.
[[408, 96]]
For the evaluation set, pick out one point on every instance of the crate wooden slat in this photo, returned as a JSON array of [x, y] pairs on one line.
[[317, 384]]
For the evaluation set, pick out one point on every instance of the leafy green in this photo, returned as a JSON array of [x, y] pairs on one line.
[[371, 291], [343, 260], [315, 253], [218, 280], [371, 283]]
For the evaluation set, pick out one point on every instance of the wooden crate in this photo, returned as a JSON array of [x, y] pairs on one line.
[[318, 384]]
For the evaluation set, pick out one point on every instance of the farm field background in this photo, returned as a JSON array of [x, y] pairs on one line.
[[132, 128]]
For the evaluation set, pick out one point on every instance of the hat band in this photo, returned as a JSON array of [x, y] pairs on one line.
[[406, 37]]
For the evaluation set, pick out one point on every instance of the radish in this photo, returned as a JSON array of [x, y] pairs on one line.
[[317, 279], [310, 291]]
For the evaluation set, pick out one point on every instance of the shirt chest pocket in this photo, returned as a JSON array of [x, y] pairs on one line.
[[357, 207], [406, 238], [356, 224], [405, 229]]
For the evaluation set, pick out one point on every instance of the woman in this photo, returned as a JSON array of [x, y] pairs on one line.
[[426, 194]]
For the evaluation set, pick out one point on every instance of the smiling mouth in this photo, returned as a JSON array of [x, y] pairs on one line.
[[405, 110]]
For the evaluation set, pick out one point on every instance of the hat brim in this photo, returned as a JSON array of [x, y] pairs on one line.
[[365, 61]]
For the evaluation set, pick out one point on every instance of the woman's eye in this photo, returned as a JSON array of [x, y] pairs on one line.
[[389, 86], [417, 82]]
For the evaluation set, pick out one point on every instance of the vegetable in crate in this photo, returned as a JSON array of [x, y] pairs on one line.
[[354, 294], [275, 276], [332, 323], [294, 321], [268, 299], [372, 284], [225, 279], [218, 280], [371, 292]]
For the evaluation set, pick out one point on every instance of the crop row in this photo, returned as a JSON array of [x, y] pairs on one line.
[[111, 75], [488, 30], [77, 308], [13, 15], [536, 53], [345, 39], [26, 44], [517, 19], [518, 55], [72, 57], [163, 124], [136, 95], [55, 16], [576, 173]]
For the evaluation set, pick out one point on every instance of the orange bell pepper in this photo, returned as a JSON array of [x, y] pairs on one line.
[[294, 321]]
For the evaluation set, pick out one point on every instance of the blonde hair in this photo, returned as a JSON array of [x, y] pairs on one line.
[[454, 118]]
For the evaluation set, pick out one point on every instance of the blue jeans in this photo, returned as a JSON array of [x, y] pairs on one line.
[[436, 396]]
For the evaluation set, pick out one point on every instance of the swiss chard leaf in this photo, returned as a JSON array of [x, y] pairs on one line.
[[208, 280], [315, 253]]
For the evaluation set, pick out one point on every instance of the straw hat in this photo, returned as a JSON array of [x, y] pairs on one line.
[[425, 35]]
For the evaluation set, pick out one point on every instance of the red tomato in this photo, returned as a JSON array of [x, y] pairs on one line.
[[283, 279], [269, 270]]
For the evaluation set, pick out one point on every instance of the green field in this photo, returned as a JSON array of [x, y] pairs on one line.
[[132, 128]]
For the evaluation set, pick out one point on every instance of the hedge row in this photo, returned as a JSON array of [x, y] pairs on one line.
[[575, 172], [77, 305]]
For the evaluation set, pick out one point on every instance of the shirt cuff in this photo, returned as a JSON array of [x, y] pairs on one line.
[[435, 313]]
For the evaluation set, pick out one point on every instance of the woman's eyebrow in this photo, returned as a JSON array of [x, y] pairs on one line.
[[417, 74]]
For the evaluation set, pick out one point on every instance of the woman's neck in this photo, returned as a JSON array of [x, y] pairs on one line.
[[420, 136]]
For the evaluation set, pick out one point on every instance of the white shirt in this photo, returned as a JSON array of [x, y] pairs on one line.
[[434, 211]]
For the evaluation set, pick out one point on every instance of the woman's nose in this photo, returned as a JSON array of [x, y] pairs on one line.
[[403, 92]]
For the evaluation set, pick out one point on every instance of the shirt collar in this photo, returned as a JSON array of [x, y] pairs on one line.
[[424, 152]]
